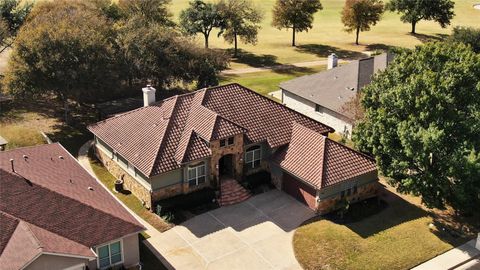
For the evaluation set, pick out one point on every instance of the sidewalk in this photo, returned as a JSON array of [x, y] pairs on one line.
[[461, 257]]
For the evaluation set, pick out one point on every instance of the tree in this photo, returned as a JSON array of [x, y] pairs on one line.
[[467, 35], [422, 120], [295, 14], [414, 11], [360, 15], [64, 48], [200, 17], [240, 18], [12, 15], [162, 55], [155, 11]]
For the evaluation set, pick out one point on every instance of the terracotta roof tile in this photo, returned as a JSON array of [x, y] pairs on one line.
[[212, 114], [320, 161]]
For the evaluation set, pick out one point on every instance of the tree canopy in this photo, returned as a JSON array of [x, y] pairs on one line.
[[151, 11], [360, 15], [422, 120], [200, 17], [295, 14], [240, 18], [467, 35], [414, 11], [12, 15]]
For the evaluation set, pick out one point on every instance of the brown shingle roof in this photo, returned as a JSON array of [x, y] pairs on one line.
[[319, 160], [49, 194], [214, 113]]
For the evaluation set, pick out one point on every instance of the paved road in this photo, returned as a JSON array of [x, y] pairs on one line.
[[277, 67], [459, 258]]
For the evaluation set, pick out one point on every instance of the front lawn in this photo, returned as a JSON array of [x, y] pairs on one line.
[[395, 235], [128, 199]]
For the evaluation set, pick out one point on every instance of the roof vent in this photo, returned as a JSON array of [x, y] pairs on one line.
[[60, 157], [90, 188], [25, 157], [13, 167]]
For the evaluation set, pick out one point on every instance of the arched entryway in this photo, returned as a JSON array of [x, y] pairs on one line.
[[226, 166]]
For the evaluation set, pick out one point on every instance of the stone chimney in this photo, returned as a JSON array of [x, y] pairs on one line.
[[148, 95], [332, 61]]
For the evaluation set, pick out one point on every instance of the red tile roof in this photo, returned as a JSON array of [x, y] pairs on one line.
[[211, 114], [48, 194], [320, 161]]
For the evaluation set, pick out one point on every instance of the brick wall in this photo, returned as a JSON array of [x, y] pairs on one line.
[[363, 192], [218, 152]]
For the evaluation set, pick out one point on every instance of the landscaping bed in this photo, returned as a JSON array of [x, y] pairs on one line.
[[181, 207], [258, 182]]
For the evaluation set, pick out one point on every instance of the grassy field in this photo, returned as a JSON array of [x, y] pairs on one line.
[[378, 238], [22, 128], [265, 82], [328, 36], [128, 199]]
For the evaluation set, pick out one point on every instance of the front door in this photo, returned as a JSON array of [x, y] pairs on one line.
[[226, 166]]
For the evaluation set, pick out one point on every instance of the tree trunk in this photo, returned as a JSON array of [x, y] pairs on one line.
[[413, 27], [235, 52], [65, 108], [206, 40], [293, 37], [358, 33]]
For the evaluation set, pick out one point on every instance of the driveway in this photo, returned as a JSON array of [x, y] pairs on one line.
[[255, 234]]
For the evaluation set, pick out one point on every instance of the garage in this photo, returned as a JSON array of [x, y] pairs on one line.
[[299, 190]]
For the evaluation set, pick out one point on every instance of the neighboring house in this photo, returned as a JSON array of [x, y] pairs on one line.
[[55, 215], [206, 138], [322, 96]]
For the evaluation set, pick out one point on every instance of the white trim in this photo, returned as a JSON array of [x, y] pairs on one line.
[[68, 255], [31, 260], [197, 175], [110, 253], [76, 267]]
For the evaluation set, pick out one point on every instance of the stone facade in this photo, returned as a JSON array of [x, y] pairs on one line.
[[167, 192], [369, 190], [129, 183], [236, 150]]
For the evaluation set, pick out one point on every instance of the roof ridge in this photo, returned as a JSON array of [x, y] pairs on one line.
[[352, 150], [26, 224], [324, 160], [162, 141]]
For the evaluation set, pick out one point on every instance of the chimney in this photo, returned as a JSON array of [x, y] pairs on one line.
[[13, 167], [332, 61], [148, 95]]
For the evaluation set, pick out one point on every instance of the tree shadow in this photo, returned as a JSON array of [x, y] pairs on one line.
[[254, 60], [321, 50], [380, 47], [424, 38]]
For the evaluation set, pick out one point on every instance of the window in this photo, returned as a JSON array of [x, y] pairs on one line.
[[318, 108], [109, 254], [196, 175], [355, 189], [253, 155], [227, 142], [349, 191], [342, 194]]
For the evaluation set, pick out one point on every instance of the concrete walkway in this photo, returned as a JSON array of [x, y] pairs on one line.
[[278, 67], [463, 257]]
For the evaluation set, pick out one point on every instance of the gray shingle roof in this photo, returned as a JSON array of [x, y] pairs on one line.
[[333, 87]]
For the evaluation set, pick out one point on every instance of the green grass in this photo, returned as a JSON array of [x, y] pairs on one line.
[[385, 239], [267, 81], [19, 135], [327, 34], [129, 199]]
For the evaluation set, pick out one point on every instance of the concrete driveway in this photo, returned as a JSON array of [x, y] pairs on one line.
[[255, 234]]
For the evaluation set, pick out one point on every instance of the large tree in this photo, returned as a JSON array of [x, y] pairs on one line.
[[240, 18], [64, 48], [200, 17], [148, 11], [295, 14], [414, 11], [467, 35], [422, 124], [12, 15], [360, 15]]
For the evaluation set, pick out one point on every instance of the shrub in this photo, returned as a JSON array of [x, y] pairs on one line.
[[256, 180]]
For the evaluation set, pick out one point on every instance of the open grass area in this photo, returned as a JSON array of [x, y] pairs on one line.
[[128, 199], [327, 34], [267, 81], [392, 235], [19, 135]]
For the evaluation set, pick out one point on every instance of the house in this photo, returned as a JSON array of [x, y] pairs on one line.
[[322, 96], [207, 138], [55, 215]]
